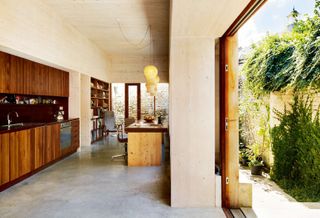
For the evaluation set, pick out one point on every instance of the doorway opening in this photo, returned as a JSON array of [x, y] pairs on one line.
[[259, 69], [133, 100]]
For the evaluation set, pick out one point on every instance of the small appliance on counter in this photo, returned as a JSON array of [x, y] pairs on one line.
[[60, 114]]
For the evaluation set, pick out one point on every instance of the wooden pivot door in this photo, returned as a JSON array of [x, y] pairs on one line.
[[229, 122]]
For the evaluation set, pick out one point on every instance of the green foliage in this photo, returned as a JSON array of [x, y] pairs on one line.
[[244, 155], [254, 127], [256, 163], [289, 60], [296, 148]]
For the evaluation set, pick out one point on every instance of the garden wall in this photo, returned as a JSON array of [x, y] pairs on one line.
[[279, 101]]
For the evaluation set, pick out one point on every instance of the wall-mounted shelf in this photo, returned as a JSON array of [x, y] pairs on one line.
[[100, 102]]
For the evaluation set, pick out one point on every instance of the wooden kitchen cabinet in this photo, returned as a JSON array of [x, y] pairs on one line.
[[4, 72], [58, 82], [37, 146], [4, 159], [20, 153], [40, 79], [52, 149], [22, 76], [75, 141], [25, 152]]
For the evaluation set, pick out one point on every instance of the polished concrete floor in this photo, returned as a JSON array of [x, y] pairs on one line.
[[89, 184]]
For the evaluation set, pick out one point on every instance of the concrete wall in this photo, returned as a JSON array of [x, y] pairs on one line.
[[192, 122], [280, 101], [85, 117], [74, 97], [194, 27], [130, 68], [30, 29]]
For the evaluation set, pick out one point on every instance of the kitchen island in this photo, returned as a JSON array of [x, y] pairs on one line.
[[145, 143]]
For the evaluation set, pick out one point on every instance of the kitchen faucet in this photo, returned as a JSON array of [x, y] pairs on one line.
[[8, 117]]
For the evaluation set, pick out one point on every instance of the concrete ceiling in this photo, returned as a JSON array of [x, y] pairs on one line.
[[210, 18], [120, 27]]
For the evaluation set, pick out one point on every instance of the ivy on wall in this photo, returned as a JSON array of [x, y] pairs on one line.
[[287, 61]]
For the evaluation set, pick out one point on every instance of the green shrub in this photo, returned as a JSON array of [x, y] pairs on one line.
[[296, 149]]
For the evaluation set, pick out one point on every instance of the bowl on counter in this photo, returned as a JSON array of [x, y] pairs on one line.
[[149, 118]]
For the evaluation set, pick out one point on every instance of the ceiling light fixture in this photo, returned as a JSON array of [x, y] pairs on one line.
[[151, 72]]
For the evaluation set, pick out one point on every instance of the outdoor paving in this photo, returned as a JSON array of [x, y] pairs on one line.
[[269, 200]]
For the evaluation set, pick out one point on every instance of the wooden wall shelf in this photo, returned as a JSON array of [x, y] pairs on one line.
[[100, 102]]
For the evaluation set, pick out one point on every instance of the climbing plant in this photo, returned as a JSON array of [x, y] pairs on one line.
[[286, 61]]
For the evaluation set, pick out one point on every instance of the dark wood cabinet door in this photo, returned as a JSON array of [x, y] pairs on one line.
[[22, 76], [52, 149], [4, 72], [48, 146], [54, 85], [28, 79], [4, 159], [75, 143], [14, 156], [16, 75], [24, 148], [20, 153], [41, 80], [65, 87], [56, 141], [37, 146]]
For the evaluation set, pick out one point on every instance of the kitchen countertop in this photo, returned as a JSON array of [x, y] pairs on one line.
[[29, 125]]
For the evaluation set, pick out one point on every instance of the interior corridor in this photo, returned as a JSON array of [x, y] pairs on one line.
[[89, 184]]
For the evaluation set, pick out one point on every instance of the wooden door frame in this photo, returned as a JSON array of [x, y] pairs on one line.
[[126, 99], [248, 12]]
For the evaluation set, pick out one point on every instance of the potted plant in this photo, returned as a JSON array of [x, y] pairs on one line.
[[256, 167], [256, 163], [244, 156]]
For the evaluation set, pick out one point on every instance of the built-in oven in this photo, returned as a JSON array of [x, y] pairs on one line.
[[65, 135]]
